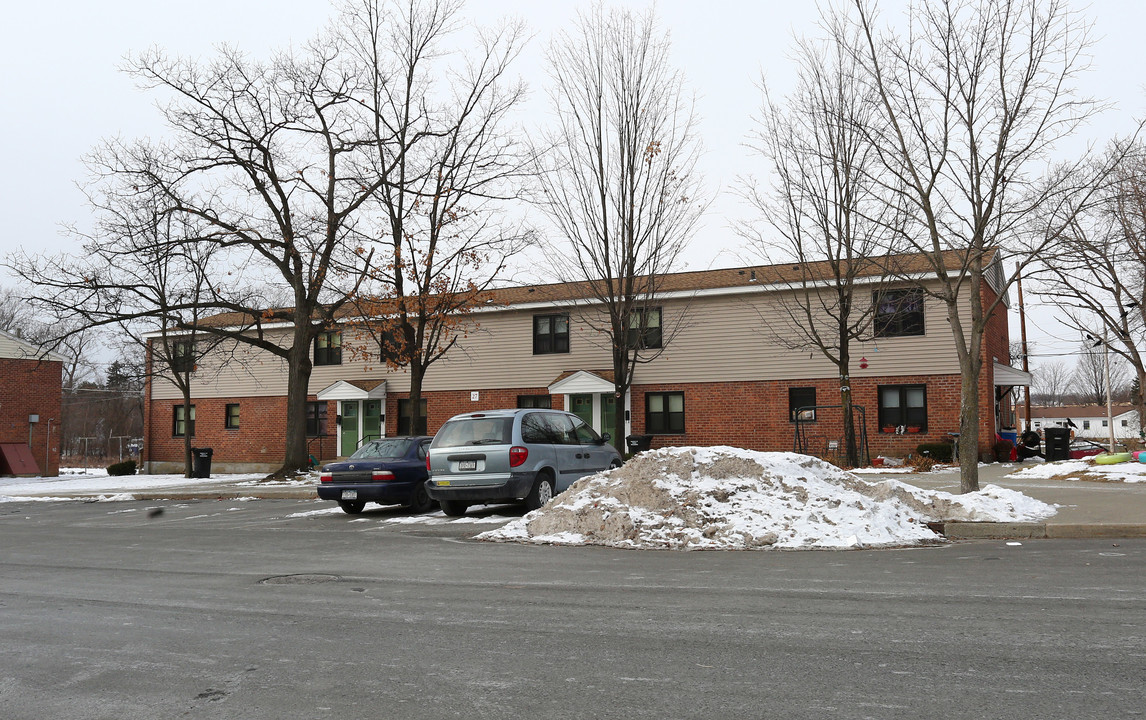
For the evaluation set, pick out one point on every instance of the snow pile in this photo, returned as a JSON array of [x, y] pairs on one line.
[[1126, 472], [727, 498]]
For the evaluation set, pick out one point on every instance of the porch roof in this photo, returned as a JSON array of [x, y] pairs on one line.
[[354, 390]]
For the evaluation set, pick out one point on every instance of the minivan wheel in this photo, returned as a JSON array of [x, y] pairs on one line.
[[453, 508], [541, 493], [352, 507]]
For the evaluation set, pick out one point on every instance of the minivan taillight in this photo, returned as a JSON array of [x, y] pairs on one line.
[[381, 476], [517, 455], [326, 477], [427, 463]]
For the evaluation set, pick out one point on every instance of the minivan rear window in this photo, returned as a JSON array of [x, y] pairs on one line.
[[475, 431]]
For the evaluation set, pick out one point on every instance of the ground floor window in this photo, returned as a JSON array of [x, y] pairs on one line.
[[232, 418], [903, 406], [183, 420], [664, 412], [534, 401], [315, 418], [405, 427], [801, 397]]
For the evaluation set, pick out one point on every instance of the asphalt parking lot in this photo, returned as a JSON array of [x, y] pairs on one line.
[[281, 608]]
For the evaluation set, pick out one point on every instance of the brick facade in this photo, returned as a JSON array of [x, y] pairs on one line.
[[32, 387], [751, 415]]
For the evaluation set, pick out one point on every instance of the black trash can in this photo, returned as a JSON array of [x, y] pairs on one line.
[[638, 443], [1057, 444], [201, 462]]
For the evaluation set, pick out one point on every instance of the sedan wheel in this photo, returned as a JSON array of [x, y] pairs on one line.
[[420, 500], [352, 507]]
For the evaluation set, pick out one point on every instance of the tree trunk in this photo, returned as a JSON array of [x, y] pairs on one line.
[[620, 390], [418, 425], [299, 365], [969, 432], [851, 447]]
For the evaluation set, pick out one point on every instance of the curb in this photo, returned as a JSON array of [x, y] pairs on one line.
[[1037, 531]]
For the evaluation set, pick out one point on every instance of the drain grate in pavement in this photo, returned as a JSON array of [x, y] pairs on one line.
[[300, 579]]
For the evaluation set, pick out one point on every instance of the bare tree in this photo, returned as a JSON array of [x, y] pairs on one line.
[[823, 212], [16, 315], [1051, 382], [1098, 277], [618, 180], [1090, 374], [441, 146], [141, 278], [972, 99]]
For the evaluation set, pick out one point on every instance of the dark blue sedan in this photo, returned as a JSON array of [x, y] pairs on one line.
[[388, 471]]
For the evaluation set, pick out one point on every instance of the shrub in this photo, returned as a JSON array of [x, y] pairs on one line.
[[939, 452], [127, 467], [923, 463]]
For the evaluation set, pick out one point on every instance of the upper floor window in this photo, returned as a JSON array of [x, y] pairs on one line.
[[645, 328], [183, 420], [550, 334], [898, 313], [664, 412], [801, 404], [903, 406], [328, 348], [182, 356], [316, 418]]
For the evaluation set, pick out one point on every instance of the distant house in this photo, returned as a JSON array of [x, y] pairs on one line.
[[724, 379], [31, 393], [1088, 421]]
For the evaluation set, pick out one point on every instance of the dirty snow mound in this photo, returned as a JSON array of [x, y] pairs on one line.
[[728, 498]]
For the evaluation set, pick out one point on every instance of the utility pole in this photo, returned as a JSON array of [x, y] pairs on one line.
[[1026, 355], [1109, 405]]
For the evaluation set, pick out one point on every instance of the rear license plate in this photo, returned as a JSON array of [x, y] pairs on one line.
[[467, 464], [349, 494]]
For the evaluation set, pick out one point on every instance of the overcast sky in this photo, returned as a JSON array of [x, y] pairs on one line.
[[63, 92]]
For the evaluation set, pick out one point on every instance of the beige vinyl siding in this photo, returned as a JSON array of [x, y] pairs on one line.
[[16, 349], [242, 370], [722, 338]]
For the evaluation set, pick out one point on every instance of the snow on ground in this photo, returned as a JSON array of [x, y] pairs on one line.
[[100, 486], [728, 498], [1128, 472]]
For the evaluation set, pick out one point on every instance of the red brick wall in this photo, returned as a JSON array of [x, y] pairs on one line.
[[441, 406], [260, 438], [754, 415], [30, 387], [996, 347]]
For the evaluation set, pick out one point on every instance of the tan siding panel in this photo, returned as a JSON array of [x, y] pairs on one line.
[[722, 339]]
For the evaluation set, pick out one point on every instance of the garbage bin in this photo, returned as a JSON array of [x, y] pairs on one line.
[[201, 462], [638, 443], [1057, 444], [1011, 435]]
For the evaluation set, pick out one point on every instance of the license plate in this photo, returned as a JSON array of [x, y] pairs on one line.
[[467, 464], [349, 494]]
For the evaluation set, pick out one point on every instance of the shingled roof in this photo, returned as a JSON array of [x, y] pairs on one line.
[[682, 282]]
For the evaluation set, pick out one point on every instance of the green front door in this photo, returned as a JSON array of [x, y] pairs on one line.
[[372, 419], [608, 419], [582, 407], [349, 427]]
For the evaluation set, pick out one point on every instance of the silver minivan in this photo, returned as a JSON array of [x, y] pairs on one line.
[[511, 456]]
